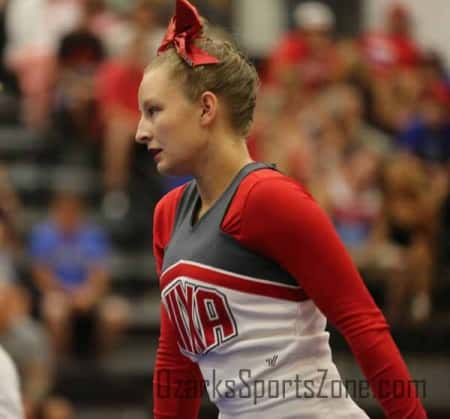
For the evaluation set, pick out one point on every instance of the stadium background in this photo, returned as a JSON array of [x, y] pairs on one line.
[[368, 132]]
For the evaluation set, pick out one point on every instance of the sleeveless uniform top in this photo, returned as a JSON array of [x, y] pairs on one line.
[[258, 339]]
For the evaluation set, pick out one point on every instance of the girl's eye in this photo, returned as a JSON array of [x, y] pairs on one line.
[[152, 110]]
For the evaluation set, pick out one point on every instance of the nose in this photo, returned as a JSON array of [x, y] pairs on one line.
[[143, 135]]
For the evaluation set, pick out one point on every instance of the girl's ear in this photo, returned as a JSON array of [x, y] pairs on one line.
[[209, 104]]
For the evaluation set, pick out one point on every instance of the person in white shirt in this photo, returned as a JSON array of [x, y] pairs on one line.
[[10, 399]]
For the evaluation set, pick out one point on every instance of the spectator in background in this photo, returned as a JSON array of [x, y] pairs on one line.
[[344, 105], [70, 268], [9, 211], [27, 343], [351, 154], [354, 200], [10, 206], [393, 60], [80, 53], [100, 19], [397, 99], [57, 408], [443, 236], [31, 50], [433, 68], [394, 48], [9, 89], [141, 18], [21, 336], [402, 240], [10, 403], [427, 134], [277, 136], [117, 86], [307, 57], [7, 270], [311, 142]]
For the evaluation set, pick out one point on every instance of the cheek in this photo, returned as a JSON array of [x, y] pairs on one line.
[[183, 136]]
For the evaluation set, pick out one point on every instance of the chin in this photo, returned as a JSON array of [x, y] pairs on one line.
[[170, 170]]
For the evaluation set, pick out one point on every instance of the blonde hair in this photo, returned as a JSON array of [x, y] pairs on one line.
[[234, 79]]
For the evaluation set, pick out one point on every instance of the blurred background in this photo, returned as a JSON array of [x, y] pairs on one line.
[[354, 104]]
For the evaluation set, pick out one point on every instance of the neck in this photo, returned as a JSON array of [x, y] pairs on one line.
[[218, 169]]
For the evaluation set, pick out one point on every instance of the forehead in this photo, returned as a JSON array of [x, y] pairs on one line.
[[157, 84]]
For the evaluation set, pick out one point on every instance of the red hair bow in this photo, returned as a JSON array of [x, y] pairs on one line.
[[183, 28]]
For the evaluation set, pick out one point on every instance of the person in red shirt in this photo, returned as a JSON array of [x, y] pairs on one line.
[[394, 48], [250, 267], [308, 53]]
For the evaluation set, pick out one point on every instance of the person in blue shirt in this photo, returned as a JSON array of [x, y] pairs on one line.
[[427, 135], [70, 269]]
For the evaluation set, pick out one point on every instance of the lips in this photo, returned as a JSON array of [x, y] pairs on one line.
[[155, 152]]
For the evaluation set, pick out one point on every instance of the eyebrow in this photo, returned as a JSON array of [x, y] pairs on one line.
[[149, 102]]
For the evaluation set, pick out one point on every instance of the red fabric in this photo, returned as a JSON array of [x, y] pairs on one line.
[[293, 52], [183, 28], [304, 243], [438, 91], [291, 49], [171, 366], [386, 52], [117, 86]]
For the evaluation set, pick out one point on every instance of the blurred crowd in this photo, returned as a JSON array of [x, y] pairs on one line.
[[364, 123]]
